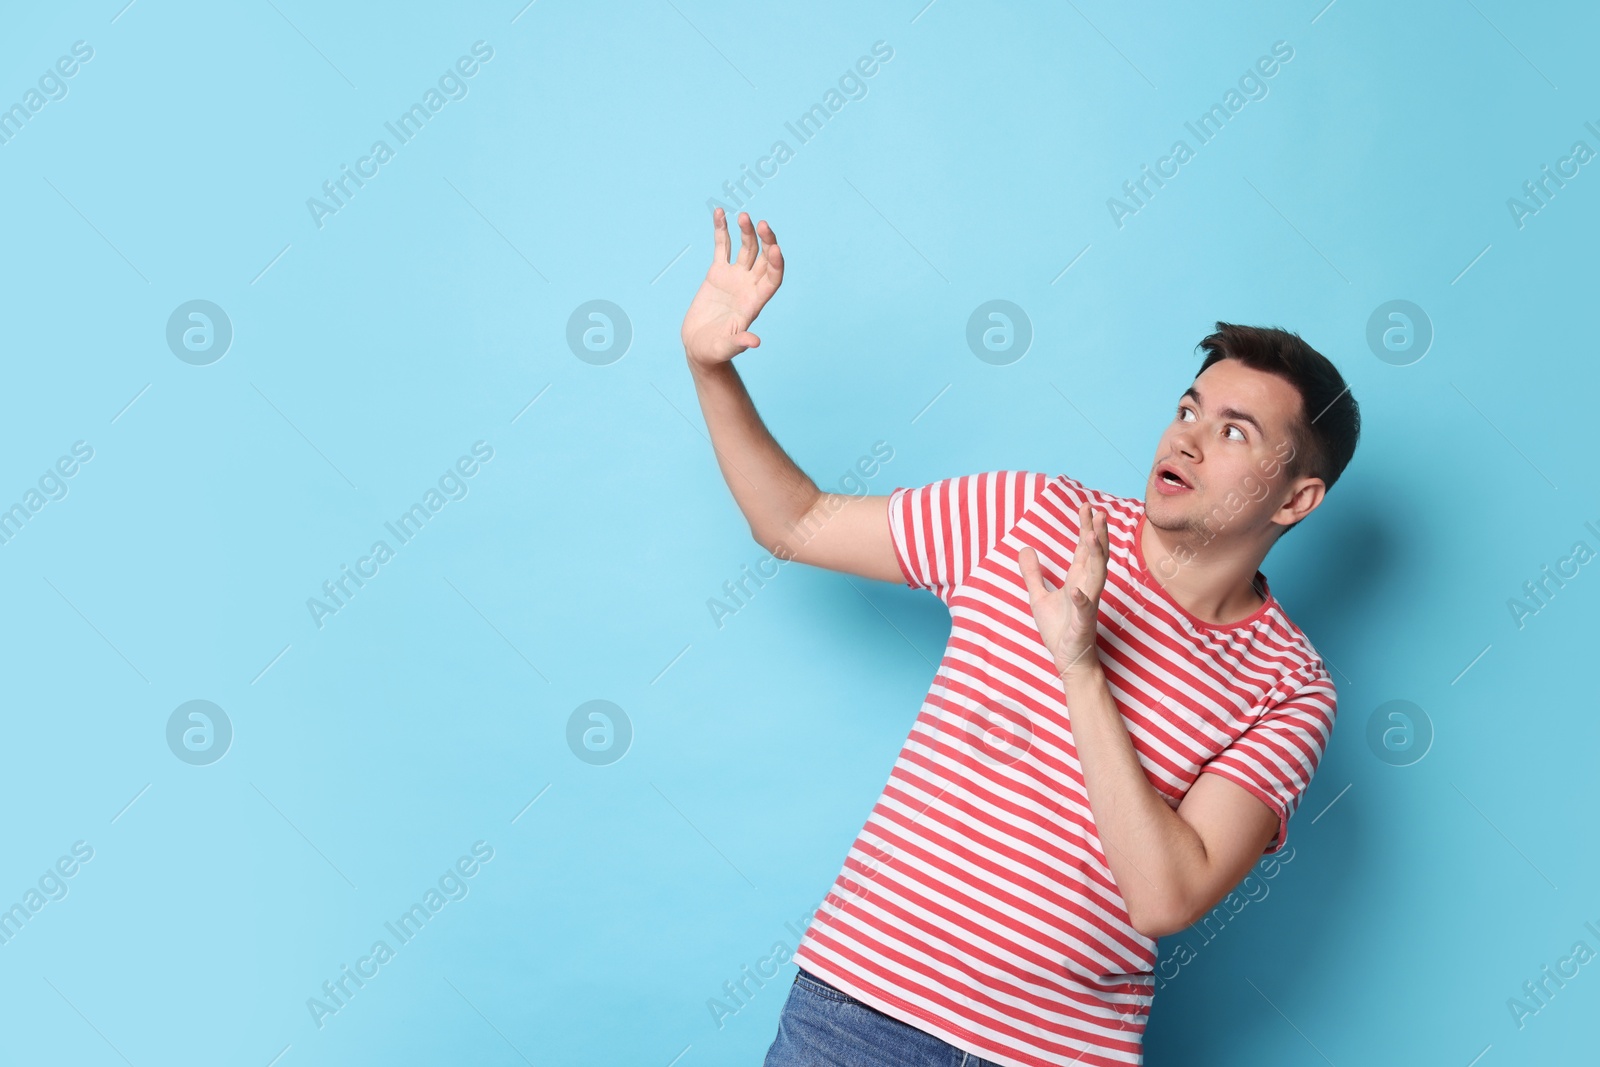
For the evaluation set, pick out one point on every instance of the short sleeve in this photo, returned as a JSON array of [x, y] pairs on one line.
[[942, 530], [1277, 756]]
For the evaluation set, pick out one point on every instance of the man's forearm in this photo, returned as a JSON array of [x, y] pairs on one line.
[[1153, 853], [770, 489]]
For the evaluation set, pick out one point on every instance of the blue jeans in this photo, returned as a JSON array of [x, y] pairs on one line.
[[821, 1026]]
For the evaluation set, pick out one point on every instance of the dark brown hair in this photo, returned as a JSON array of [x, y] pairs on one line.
[[1325, 431]]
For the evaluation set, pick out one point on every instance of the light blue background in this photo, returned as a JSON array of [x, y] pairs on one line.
[[429, 312]]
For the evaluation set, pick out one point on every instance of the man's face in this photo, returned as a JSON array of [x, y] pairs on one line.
[[1229, 440]]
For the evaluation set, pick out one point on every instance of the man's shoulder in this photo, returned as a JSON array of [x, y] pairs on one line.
[[1076, 491], [1304, 667]]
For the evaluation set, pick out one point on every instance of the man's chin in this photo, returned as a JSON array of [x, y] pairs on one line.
[[1169, 513]]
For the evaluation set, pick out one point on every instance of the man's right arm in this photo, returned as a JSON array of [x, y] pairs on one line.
[[787, 514]]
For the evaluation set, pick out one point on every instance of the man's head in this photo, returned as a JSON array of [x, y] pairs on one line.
[[1262, 434]]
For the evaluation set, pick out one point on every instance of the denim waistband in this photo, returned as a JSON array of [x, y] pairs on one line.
[[814, 978], [835, 990]]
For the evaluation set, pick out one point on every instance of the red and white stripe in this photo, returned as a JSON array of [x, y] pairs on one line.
[[976, 904]]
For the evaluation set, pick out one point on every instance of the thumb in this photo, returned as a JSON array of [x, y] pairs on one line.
[[1028, 560], [747, 339]]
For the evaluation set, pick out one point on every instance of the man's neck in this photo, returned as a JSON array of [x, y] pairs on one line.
[[1216, 584]]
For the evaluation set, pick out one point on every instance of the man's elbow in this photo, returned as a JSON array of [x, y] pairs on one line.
[[1158, 918], [774, 544], [781, 536]]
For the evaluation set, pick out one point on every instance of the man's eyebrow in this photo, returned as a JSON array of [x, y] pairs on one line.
[[1227, 413]]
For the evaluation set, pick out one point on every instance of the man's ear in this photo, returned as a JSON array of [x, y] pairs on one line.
[[1306, 496]]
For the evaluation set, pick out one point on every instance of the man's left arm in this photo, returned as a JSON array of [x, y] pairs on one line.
[[1170, 866]]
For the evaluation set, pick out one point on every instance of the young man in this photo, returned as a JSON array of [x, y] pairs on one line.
[[1049, 816]]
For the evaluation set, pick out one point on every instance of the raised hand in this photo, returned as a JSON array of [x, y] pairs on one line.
[[1066, 616], [717, 325]]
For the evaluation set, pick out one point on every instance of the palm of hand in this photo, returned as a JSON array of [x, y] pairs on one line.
[[1067, 616], [716, 326]]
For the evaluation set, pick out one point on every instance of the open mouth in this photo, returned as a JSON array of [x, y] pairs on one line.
[[1170, 478]]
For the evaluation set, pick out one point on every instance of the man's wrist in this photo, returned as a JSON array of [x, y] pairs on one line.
[[700, 367], [1084, 669]]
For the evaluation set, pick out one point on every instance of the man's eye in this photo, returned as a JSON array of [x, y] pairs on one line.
[[1182, 411]]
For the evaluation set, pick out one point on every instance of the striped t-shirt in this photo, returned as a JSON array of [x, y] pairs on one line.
[[977, 904]]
